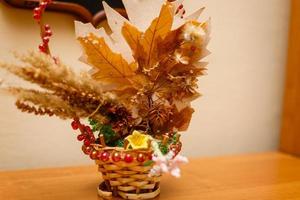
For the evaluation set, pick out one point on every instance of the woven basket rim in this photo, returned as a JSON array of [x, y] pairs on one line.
[[99, 147]]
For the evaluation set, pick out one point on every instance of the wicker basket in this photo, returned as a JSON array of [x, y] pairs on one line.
[[126, 180]]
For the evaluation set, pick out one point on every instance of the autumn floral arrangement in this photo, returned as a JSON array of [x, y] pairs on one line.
[[136, 97]]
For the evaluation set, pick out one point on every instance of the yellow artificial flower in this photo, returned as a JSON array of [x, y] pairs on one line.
[[137, 140]]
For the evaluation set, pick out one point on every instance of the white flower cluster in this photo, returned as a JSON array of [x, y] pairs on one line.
[[166, 163]]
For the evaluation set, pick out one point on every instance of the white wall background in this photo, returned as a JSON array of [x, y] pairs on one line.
[[239, 113]]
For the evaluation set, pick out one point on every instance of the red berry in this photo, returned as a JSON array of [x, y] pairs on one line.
[[36, 16], [116, 157], [46, 40], [42, 47], [48, 33], [80, 137], [140, 157], [43, 5], [180, 6], [37, 10], [92, 139], [94, 155], [128, 158], [87, 149], [150, 156], [75, 125], [88, 130], [87, 142], [104, 156]]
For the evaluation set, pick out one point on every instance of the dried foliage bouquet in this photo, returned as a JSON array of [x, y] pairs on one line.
[[137, 95]]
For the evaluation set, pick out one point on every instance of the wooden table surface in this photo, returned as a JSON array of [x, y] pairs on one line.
[[269, 176]]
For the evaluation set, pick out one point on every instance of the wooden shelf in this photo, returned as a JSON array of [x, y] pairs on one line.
[[268, 176]]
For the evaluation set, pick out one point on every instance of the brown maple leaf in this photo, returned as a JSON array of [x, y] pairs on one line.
[[132, 36], [159, 28], [181, 119], [110, 67]]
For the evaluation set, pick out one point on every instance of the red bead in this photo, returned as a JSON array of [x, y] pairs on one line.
[[180, 7], [48, 33], [36, 16], [37, 10], [80, 137], [87, 149], [46, 40], [94, 155], [116, 157], [140, 157], [88, 130], [87, 142], [43, 5], [92, 139], [75, 125], [128, 158], [42, 48], [104, 156]]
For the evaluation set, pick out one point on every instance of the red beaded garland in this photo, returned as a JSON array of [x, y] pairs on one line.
[[36, 16], [87, 142], [46, 40], [80, 137], [128, 158], [140, 157], [42, 47], [88, 130], [75, 125], [87, 149], [94, 155], [116, 157], [43, 5], [48, 32], [104, 156], [37, 10]]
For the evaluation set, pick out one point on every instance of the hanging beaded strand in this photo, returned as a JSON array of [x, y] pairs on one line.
[[45, 29]]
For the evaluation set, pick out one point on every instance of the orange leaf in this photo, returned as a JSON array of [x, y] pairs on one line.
[[132, 36], [159, 28], [181, 120], [110, 67]]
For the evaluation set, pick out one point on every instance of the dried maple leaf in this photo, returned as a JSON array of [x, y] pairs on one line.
[[170, 43], [132, 36], [159, 28], [110, 67], [181, 120]]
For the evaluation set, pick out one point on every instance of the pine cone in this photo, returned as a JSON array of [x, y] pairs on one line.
[[159, 117]]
